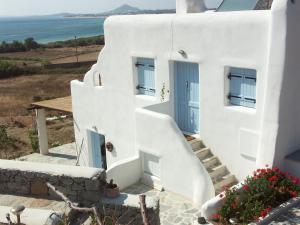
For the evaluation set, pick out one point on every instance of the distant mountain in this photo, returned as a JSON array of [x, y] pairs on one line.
[[122, 10]]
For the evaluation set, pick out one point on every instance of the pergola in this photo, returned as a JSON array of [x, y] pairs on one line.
[[60, 104]]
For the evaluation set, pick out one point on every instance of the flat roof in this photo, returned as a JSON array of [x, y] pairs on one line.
[[60, 104]]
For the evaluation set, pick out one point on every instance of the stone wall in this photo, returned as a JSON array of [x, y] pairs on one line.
[[82, 185], [85, 188]]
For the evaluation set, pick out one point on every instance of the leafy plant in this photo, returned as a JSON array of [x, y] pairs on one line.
[[33, 136], [5, 140], [10, 69], [111, 184], [260, 193]]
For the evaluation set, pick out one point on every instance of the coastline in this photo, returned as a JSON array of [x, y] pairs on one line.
[[49, 29], [85, 17]]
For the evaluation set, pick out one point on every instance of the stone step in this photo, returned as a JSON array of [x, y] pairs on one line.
[[211, 162], [196, 144], [203, 153], [220, 190], [218, 171], [227, 180]]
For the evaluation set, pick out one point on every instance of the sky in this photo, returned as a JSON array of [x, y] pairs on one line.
[[45, 7]]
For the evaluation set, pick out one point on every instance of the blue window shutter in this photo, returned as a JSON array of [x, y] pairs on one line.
[[249, 88], [146, 80], [242, 87], [236, 79]]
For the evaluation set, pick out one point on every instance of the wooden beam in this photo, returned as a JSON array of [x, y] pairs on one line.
[[144, 209]]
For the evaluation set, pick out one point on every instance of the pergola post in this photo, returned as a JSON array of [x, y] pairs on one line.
[[42, 131]]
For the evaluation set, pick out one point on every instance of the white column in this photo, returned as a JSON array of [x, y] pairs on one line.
[[42, 131], [190, 6]]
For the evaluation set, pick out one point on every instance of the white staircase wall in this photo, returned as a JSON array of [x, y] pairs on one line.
[[180, 169]]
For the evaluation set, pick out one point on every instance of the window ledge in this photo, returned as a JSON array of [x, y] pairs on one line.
[[241, 109], [145, 97]]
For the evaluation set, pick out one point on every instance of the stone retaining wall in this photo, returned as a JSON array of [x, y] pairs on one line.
[[80, 184], [81, 188]]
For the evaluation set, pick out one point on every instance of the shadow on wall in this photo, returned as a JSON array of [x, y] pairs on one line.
[[288, 139]]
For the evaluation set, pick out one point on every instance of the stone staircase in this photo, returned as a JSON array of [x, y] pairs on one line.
[[219, 173]]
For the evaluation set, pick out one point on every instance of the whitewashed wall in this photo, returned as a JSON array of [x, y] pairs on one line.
[[243, 138]]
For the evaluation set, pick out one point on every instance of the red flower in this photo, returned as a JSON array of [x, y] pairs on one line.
[[295, 180], [293, 194], [216, 216], [246, 187], [265, 212], [276, 169], [273, 179], [233, 205]]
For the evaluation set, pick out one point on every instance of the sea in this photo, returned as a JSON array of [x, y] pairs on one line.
[[45, 29]]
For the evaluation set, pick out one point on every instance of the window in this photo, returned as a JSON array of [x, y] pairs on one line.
[[242, 87], [146, 80], [97, 79]]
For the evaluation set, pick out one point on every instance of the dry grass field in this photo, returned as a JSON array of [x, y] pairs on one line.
[[16, 95], [54, 55]]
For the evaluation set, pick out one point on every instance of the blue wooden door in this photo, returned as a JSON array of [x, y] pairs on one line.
[[187, 96], [97, 140]]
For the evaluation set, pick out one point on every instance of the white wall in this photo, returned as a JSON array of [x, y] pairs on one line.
[[281, 114], [180, 170], [125, 172], [249, 39]]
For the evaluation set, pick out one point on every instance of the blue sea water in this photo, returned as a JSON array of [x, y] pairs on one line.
[[46, 29]]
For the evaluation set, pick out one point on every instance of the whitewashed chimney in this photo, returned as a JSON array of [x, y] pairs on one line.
[[190, 6]]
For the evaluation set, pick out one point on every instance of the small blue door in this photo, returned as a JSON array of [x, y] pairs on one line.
[[187, 96], [97, 141]]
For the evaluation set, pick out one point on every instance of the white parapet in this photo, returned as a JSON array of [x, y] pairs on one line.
[[190, 6], [42, 131]]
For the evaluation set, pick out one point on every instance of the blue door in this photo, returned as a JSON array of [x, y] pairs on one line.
[[187, 96], [97, 142]]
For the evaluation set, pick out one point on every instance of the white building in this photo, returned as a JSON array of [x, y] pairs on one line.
[[229, 77]]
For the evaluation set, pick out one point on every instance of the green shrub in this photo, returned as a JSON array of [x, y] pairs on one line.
[[9, 69], [17, 46], [5, 141], [260, 193], [34, 140], [85, 41]]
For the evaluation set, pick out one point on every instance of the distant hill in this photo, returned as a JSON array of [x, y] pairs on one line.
[[122, 10]]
